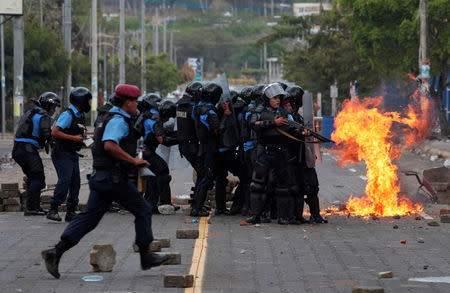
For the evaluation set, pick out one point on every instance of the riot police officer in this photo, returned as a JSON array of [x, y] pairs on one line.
[[151, 123], [273, 157], [113, 154], [187, 138], [207, 129], [34, 132], [68, 134]]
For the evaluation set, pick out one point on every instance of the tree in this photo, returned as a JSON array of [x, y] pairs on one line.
[[320, 51], [162, 76], [386, 32]]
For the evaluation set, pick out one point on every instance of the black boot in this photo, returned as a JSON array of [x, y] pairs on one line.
[[199, 213], [151, 259], [253, 220], [52, 257], [53, 213], [70, 214], [28, 212]]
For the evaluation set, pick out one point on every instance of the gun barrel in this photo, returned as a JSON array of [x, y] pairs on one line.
[[313, 133]]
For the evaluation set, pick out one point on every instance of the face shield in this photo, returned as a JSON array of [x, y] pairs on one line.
[[273, 90]]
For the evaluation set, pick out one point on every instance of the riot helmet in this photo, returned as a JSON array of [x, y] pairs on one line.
[[167, 109], [257, 93], [295, 95], [246, 94], [234, 96], [282, 84], [193, 88], [211, 93], [274, 90], [80, 97], [47, 101], [148, 101]]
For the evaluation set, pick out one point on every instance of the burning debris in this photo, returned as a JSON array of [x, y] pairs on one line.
[[366, 132]]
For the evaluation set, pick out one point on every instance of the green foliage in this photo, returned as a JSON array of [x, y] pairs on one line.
[[162, 76], [45, 62], [81, 70], [322, 57]]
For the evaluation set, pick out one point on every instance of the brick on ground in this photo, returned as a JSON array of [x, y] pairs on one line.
[[175, 257], [10, 187], [445, 218], [165, 242], [155, 246], [103, 257], [387, 274], [13, 208], [187, 234], [364, 289], [11, 201], [178, 281]]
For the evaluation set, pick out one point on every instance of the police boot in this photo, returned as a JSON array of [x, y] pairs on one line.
[[257, 204], [300, 203], [284, 206], [52, 257], [70, 214], [315, 211], [151, 259], [199, 213], [53, 213]]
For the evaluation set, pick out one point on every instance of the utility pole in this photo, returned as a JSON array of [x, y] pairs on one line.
[[272, 8], [265, 56], [156, 34], [424, 61], [105, 69], [171, 47], [18, 67], [122, 43], [41, 16], [143, 69], [94, 63], [113, 66], [3, 80], [164, 28], [67, 45]]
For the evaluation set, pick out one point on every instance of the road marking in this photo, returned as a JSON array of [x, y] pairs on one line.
[[199, 256], [425, 216]]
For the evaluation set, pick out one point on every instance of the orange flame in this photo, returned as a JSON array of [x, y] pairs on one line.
[[363, 132]]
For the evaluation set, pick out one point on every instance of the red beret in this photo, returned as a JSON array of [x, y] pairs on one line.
[[127, 91]]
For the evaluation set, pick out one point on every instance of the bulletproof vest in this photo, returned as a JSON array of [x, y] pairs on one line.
[[101, 111], [271, 135], [150, 141], [185, 123], [228, 131], [25, 126], [207, 137], [102, 159], [76, 128]]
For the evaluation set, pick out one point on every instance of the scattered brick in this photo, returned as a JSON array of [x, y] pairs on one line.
[[103, 257], [178, 281], [387, 274], [433, 223], [396, 217], [445, 218], [175, 258], [418, 218], [395, 227], [11, 201], [403, 241], [165, 242], [155, 246], [243, 223], [13, 208], [10, 186], [444, 211], [420, 240], [187, 234], [364, 289]]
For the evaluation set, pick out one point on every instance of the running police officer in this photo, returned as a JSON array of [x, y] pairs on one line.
[[68, 134], [113, 154], [33, 133]]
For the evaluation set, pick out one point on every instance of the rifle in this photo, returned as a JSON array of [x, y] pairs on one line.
[[321, 138]]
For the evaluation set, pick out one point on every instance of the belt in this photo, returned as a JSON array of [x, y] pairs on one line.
[[189, 141], [274, 147]]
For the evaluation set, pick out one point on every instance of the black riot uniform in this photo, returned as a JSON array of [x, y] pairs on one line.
[[64, 153], [34, 132], [207, 129], [151, 127], [272, 160], [109, 182], [187, 138]]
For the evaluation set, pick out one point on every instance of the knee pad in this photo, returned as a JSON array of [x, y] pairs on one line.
[[257, 187], [260, 173]]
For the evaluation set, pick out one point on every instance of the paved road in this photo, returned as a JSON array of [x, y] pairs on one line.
[[270, 258]]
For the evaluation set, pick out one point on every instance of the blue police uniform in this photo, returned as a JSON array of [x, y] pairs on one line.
[[104, 188], [66, 162], [32, 133]]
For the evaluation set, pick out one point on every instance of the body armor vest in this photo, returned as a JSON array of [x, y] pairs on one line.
[[207, 137], [271, 135], [25, 126], [77, 127], [102, 159]]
